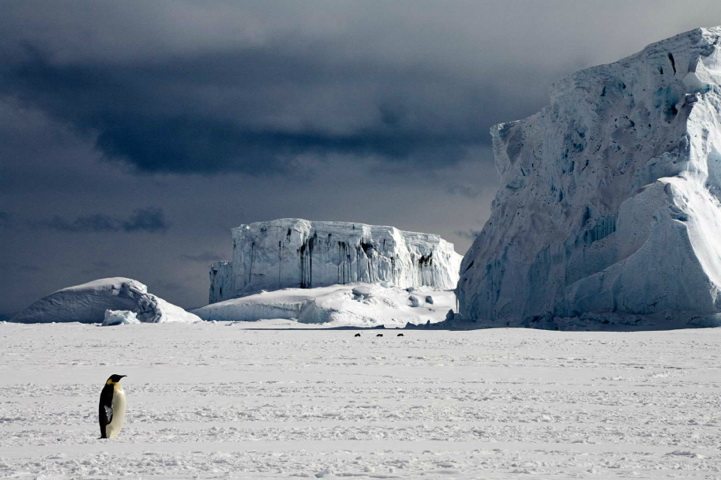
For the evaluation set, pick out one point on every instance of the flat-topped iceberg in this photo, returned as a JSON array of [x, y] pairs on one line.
[[610, 202], [296, 253], [88, 303]]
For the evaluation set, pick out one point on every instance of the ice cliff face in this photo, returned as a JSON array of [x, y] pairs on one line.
[[88, 303], [610, 197], [292, 253]]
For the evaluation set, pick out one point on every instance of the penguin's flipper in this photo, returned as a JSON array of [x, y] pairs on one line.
[[108, 413]]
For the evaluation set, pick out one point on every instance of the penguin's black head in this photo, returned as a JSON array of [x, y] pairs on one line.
[[115, 378]]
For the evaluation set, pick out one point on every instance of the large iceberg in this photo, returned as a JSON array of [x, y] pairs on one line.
[[609, 207], [296, 253], [87, 303]]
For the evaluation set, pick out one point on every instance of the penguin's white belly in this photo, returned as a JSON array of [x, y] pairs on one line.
[[116, 424]]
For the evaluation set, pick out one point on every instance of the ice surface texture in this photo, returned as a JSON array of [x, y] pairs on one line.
[[357, 304], [268, 401], [295, 253], [609, 199], [119, 317], [87, 303]]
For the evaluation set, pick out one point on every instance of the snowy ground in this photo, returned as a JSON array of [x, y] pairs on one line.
[[218, 400]]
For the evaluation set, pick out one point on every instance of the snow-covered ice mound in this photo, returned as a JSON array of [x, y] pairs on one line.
[[119, 317], [360, 304], [609, 208], [87, 303], [292, 253]]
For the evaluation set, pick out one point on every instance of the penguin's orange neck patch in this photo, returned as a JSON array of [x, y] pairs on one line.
[[110, 382]]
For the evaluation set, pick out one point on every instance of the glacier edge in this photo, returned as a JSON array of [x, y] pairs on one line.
[[609, 201]]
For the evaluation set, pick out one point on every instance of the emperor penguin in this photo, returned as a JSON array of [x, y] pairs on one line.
[[112, 407]]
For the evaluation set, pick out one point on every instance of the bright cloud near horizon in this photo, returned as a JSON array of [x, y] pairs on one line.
[[134, 135]]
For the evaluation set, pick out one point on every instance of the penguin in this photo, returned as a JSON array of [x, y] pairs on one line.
[[357, 335], [112, 407]]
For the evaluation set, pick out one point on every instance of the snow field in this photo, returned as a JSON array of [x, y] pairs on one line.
[[231, 400]]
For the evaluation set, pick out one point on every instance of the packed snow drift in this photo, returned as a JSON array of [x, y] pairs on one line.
[[295, 253], [127, 299], [359, 305], [609, 205], [235, 400], [119, 317]]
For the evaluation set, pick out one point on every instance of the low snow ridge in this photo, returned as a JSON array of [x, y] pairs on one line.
[[88, 303], [360, 305]]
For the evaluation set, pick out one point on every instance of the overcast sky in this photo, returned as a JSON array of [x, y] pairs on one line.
[[134, 135]]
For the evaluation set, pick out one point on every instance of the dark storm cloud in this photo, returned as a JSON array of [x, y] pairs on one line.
[[99, 267], [257, 106], [88, 223], [168, 286], [465, 190], [150, 220], [204, 257], [468, 234], [5, 219], [20, 268], [146, 220], [253, 87], [219, 111]]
